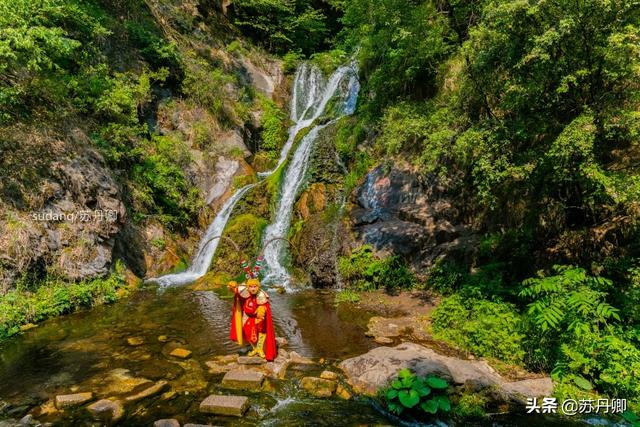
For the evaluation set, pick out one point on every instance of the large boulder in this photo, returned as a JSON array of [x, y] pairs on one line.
[[371, 371]]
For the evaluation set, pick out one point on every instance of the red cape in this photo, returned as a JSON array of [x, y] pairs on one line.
[[270, 348]]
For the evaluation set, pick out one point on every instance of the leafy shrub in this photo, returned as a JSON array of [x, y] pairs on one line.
[[578, 334], [483, 327], [408, 392], [274, 128], [53, 298], [446, 277], [364, 271]]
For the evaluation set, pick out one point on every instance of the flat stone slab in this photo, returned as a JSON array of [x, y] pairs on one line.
[[169, 422], [225, 405], [197, 425], [181, 353], [69, 400], [106, 410], [243, 380], [251, 360], [149, 391]]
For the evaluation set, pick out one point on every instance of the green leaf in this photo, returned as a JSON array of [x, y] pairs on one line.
[[423, 391], [444, 403], [395, 408], [438, 383], [430, 406], [405, 373], [582, 382], [392, 393], [409, 398], [396, 384]]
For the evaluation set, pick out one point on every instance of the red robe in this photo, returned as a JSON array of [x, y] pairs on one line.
[[243, 321]]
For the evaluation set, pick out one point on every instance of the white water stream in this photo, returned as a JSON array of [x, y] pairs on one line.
[[345, 78], [311, 94]]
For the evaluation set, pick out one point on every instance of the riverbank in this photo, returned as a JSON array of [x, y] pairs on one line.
[[22, 309]]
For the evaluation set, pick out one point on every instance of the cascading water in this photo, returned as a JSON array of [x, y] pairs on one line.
[[207, 247], [309, 99], [344, 78]]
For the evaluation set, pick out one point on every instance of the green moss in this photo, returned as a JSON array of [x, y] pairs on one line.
[[246, 231], [471, 406]]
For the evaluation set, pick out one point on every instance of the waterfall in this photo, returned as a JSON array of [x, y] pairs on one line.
[[207, 247], [310, 96], [344, 78]]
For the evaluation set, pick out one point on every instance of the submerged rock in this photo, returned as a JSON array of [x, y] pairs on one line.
[[109, 411], [181, 353], [225, 405], [70, 400], [170, 422], [319, 387], [135, 341], [150, 391], [371, 371]]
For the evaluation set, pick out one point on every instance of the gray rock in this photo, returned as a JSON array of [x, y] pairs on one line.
[[225, 405], [169, 422], [243, 380], [70, 400], [27, 420], [371, 371], [150, 391], [251, 360], [106, 410]]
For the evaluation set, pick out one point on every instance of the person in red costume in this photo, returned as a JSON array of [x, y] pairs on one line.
[[251, 319]]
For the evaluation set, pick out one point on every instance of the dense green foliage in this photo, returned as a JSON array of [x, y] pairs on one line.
[[364, 271], [485, 328], [52, 298], [410, 393], [283, 25], [526, 112]]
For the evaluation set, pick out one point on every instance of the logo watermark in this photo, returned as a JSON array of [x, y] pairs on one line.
[[79, 216], [550, 405]]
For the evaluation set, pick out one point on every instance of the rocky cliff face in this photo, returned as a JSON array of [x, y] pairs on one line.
[[66, 212], [398, 212]]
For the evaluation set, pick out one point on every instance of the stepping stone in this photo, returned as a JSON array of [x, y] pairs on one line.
[[170, 422], [106, 410], [225, 405], [319, 386], [329, 375], [294, 357], [69, 400], [243, 380], [150, 391], [181, 353], [135, 341], [250, 360]]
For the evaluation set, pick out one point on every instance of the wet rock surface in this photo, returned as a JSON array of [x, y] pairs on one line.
[[109, 411], [243, 380], [70, 400], [397, 211]]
